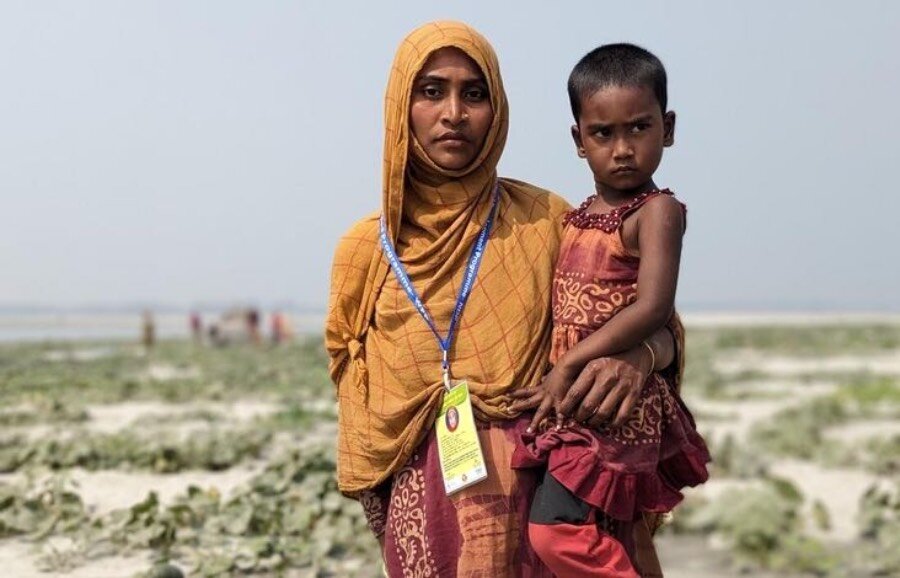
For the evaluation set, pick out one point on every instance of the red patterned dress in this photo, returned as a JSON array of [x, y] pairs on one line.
[[617, 473]]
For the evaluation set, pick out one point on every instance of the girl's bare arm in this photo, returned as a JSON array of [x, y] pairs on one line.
[[660, 227]]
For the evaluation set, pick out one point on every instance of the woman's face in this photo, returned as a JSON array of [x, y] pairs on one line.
[[450, 109]]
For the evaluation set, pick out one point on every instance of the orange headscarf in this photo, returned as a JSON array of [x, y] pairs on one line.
[[384, 360]]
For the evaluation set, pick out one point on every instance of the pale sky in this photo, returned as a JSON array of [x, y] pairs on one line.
[[187, 152]]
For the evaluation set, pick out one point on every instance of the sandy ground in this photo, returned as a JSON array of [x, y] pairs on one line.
[[862, 431], [165, 372], [736, 417], [776, 366], [838, 488], [105, 491], [682, 556], [781, 319], [68, 326], [693, 557], [17, 560], [117, 416], [175, 419], [79, 354]]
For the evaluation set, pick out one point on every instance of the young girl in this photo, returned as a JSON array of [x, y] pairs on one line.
[[614, 286]]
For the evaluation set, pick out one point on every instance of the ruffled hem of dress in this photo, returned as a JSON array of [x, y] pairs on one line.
[[620, 494]]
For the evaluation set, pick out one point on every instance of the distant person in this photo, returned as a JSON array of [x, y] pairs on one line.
[[446, 122], [278, 327], [196, 325], [614, 287], [253, 325], [215, 335], [148, 329], [287, 328]]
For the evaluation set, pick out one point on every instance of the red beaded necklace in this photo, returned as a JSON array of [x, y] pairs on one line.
[[610, 221]]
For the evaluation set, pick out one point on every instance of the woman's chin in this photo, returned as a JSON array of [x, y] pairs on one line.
[[452, 164], [451, 158]]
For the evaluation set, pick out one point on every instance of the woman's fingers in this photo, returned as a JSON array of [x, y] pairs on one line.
[[541, 413], [628, 405], [592, 401], [526, 398], [609, 407], [579, 388], [595, 422], [525, 404]]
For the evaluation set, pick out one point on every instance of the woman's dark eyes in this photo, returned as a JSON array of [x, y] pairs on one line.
[[471, 94], [476, 94], [431, 91]]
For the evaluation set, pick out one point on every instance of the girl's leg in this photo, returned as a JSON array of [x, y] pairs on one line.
[[565, 533]]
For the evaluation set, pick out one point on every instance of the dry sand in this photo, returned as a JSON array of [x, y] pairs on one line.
[[737, 417], [683, 557], [17, 560], [781, 319], [105, 491], [863, 431], [108, 490], [779, 366], [839, 489], [693, 557], [117, 416]]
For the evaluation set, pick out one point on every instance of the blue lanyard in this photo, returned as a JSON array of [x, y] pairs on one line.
[[468, 281]]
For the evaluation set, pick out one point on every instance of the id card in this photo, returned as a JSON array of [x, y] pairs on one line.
[[459, 450]]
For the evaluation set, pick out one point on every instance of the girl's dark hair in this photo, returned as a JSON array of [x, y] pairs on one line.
[[616, 65]]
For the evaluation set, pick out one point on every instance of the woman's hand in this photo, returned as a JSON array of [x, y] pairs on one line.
[[608, 388], [554, 385], [527, 399], [542, 397]]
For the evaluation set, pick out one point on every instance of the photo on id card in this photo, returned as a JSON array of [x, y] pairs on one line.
[[459, 450]]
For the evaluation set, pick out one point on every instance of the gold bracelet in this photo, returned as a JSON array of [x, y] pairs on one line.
[[652, 356]]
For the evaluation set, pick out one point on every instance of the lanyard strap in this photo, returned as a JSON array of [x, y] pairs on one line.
[[464, 291]]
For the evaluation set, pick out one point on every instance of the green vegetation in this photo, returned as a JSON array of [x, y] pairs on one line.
[[878, 554], [801, 431], [286, 516], [208, 450], [55, 374], [764, 528], [810, 341]]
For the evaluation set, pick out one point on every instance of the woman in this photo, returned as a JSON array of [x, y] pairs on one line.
[[446, 121]]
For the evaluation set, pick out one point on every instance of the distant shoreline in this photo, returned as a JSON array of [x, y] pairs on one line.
[[63, 326], [78, 326], [787, 318]]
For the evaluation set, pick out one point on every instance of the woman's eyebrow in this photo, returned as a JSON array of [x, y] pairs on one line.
[[433, 77]]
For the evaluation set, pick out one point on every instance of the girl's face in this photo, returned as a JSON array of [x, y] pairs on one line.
[[450, 110], [622, 132]]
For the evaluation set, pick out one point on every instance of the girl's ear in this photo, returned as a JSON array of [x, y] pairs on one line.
[[669, 128], [579, 146]]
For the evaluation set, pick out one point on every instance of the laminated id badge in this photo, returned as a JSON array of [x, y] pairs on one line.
[[459, 450]]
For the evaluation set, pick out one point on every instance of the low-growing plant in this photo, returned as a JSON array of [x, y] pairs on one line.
[[763, 527]]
